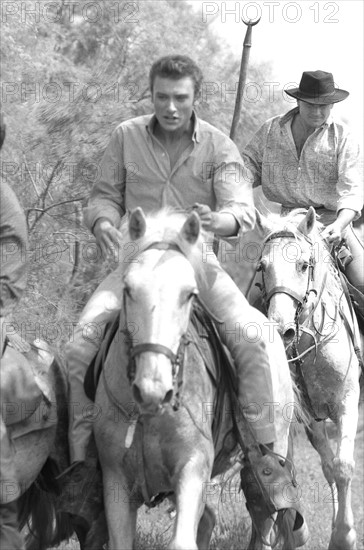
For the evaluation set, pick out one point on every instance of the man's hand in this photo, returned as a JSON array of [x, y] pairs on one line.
[[207, 217], [223, 224], [332, 233], [107, 237]]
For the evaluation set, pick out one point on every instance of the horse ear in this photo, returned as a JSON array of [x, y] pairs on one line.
[[263, 224], [308, 223], [191, 228], [259, 223], [137, 224]]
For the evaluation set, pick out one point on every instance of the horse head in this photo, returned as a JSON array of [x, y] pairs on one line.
[[159, 287], [291, 249]]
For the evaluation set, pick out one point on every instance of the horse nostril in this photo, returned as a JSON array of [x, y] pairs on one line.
[[168, 397], [288, 335], [136, 394]]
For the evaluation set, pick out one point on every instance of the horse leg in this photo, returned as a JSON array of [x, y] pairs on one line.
[[316, 433], [343, 536], [205, 528], [189, 503], [121, 510]]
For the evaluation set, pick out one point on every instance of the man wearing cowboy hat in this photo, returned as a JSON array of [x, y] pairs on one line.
[[304, 158]]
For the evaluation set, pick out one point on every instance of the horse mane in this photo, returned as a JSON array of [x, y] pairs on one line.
[[164, 226]]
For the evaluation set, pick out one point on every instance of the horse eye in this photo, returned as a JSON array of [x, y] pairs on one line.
[[304, 267]]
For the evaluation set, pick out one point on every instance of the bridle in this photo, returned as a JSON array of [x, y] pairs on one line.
[[134, 350], [301, 300], [300, 324]]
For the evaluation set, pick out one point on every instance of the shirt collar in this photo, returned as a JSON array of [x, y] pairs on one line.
[[289, 116], [196, 132]]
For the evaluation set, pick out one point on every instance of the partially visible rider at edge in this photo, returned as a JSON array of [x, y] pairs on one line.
[[13, 242], [306, 158], [173, 158]]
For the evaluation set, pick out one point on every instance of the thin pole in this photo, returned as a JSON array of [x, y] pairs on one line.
[[242, 76]]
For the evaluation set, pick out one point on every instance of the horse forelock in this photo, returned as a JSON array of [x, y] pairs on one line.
[[290, 222], [164, 227]]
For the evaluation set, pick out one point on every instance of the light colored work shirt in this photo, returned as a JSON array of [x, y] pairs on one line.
[[135, 171], [327, 174]]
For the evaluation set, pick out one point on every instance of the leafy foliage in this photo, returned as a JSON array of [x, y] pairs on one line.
[[71, 73]]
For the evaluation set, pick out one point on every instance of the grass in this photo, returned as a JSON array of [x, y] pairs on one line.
[[155, 526]]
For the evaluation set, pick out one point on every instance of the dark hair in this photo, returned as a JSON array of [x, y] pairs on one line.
[[176, 67]]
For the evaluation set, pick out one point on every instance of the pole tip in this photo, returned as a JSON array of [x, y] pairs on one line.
[[251, 22]]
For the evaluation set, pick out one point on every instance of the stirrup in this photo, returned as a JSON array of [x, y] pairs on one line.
[[270, 487]]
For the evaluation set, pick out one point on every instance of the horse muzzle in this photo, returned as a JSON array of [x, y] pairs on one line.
[[281, 312], [152, 386], [288, 334]]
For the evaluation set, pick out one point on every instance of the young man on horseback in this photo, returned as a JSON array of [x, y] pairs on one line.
[[172, 158], [13, 240], [304, 158]]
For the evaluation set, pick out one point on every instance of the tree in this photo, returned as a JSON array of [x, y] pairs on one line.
[[69, 77]]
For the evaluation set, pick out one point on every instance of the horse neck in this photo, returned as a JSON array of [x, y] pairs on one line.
[[324, 271]]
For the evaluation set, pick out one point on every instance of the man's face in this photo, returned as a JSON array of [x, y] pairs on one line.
[[314, 115], [173, 102]]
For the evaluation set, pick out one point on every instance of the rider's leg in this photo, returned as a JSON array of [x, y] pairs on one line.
[[264, 391], [252, 343], [104, 302], [355, 269]]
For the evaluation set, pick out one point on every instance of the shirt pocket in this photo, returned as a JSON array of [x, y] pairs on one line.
[[326, 167]]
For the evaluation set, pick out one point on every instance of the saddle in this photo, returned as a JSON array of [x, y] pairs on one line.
[[24, 385]]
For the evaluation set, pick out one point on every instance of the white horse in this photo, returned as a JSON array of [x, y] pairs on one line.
[[304, 297], [154, 434]]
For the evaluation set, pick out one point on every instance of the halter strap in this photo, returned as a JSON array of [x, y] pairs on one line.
[[285, 290], [156, 348], [285, 233]]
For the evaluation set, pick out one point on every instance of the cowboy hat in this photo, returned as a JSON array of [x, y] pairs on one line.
[[317, 87]]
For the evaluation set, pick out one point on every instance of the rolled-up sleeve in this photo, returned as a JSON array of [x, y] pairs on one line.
[[233, 186], [107, 195], [253, 153], [350, 172]]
